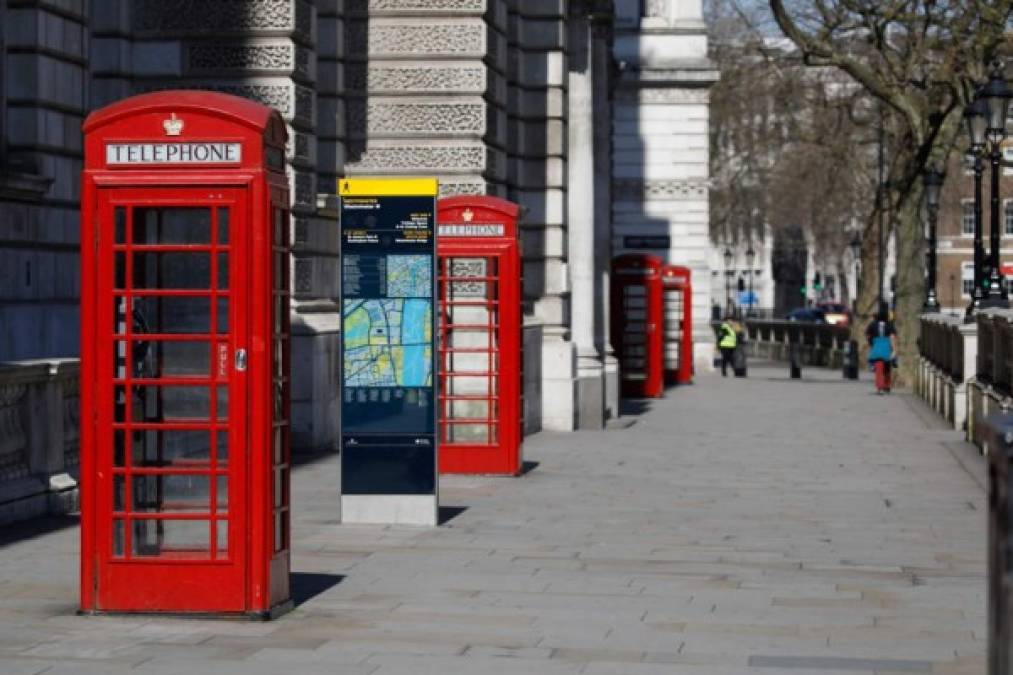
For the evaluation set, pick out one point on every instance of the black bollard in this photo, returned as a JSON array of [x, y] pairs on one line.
[[851, 360], [795, 359], [739, 361]]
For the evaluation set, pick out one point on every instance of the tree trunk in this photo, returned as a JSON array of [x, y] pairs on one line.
[[868, 281], [910, 294]]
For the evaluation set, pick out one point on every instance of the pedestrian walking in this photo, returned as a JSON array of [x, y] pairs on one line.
[[882, 337], [728, 340]]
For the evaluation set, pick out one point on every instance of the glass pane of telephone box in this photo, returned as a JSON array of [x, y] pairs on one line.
[[172, 226], [472, 340]]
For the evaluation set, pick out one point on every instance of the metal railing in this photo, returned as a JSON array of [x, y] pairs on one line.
[[822, 344], [942, 343], [995, 350]]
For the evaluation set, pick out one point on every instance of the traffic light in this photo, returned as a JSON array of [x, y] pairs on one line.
[[817, 282]]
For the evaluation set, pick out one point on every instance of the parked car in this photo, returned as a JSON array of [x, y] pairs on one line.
[[807, 314], [835, 313]]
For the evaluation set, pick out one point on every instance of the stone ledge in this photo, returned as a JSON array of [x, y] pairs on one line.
[[23, 186]]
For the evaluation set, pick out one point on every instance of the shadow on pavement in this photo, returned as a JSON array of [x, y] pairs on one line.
[[307, 585], [36, 527], [634, 406], [448, 513], [527, 467]]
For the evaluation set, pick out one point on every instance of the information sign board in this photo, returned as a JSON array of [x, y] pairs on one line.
[[388, 350]]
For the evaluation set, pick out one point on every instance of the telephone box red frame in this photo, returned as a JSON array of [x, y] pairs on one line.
[[185, 450], [479, 274], [678, 288], [637, 323]]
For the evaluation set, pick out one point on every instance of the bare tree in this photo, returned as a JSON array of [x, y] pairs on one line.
[[788, 143], [922, 60]]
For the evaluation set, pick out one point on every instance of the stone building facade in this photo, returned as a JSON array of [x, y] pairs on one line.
[[591, 114]]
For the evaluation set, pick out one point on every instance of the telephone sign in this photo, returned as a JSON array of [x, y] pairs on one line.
[[388, 350]]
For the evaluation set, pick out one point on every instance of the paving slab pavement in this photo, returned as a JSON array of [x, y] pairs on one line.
[[757, 525]]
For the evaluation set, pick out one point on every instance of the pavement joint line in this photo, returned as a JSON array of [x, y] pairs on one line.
[[841, 663]]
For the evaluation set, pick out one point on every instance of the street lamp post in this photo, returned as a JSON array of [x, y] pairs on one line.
[[977, 124], [728, 280], [996, 96], [933, 181], [750, 257]]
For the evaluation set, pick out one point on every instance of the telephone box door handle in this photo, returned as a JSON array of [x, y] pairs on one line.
[[240, 360]]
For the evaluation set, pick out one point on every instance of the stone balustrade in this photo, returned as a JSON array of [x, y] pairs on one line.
[[39, 441], [820, 344], [991, 389], [947, 364]]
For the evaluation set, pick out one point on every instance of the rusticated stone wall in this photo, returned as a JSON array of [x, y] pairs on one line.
[[286, 54], [421, 81]]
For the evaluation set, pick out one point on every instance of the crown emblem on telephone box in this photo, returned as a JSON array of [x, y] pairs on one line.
[[173, 126], [468, 214]]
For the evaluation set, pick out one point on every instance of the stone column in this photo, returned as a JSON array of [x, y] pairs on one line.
[[581, 201], [537, 176], [602, 28], [661, 165]]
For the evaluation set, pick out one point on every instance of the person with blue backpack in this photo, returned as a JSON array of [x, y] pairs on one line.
[[882, 337]]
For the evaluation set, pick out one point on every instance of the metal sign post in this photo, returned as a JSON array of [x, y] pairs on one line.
[[388, 351]]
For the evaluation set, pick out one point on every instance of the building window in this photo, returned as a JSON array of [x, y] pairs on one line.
[[966, 280], [967, 217], [1008, 216]]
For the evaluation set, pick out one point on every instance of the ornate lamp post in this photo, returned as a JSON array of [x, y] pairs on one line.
[[728, 280], [996, 95], [977, 125], [750, 257], [933, 181]]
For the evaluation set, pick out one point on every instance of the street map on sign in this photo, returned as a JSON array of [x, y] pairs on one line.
[[388, 343], [409, 276]]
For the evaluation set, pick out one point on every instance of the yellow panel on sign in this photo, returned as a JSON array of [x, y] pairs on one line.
[[388, 187]]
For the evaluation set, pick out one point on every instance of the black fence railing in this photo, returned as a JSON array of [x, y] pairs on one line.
[[942, 343], [995, 350]]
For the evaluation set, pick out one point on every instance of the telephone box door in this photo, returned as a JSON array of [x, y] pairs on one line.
[[480, 336], [637, 324], [678, 324], [170, 345]]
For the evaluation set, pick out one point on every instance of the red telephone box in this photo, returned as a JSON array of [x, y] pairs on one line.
[[480, 336], [185, 357], [637, 324], [678, 289]]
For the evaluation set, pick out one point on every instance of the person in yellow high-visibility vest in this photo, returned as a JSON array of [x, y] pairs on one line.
[[728, 340]]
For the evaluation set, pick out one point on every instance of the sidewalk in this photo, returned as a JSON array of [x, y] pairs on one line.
[[738, 526]]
